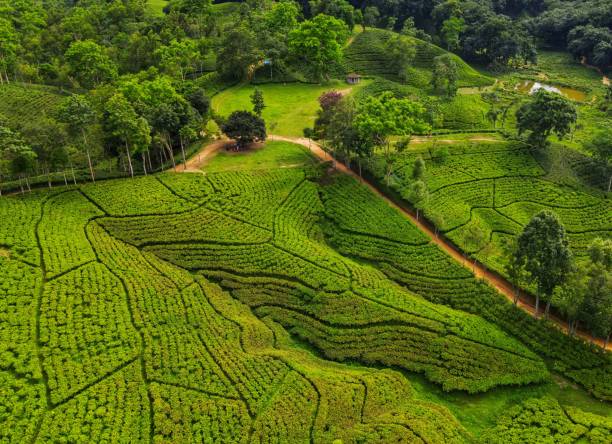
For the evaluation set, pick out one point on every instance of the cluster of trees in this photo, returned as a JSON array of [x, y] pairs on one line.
[[581, 290], [358, 129]]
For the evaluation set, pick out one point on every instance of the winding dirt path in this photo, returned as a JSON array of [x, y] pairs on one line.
[[480, 271], [201, 158]]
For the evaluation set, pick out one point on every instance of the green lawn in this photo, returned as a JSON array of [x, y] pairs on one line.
[[289, 107], [271, 155]]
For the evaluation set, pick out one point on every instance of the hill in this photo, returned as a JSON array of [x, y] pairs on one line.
[[367, 55]]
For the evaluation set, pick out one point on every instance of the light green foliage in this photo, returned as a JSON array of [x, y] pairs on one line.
[[187, 359], [542, 420], [89, 64], [318, 43]]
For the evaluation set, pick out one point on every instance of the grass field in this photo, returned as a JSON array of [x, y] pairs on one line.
[[270, 156], [289, 108]]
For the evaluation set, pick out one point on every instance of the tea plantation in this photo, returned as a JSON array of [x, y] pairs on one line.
[[494, 187], [285, 305]]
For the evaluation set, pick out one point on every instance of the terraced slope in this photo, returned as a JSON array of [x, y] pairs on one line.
[[176, 315], [24, 103], [367, 56]]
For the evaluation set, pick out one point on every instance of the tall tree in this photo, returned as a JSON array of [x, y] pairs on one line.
[[544, 252], [600, 146], [257, 100], [239, 54], [318, 43], [546, 113], [379, 118], [78, 114], [244, 127], [132, 130], [179, 58], [89, 64], [445, 75]]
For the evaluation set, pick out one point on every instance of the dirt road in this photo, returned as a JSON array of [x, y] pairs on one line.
[[198, 160], [502, 285]]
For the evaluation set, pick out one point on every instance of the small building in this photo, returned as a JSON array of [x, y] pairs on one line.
[[353, 78]]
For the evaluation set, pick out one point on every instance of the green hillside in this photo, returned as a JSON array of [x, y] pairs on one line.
[[366, 55], [129, 323]]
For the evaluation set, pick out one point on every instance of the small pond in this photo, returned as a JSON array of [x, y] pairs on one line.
[[529, 87]]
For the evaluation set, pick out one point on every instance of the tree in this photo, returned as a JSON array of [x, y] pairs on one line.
[[569, 297], [244, 127], [451, 31], [546, 113], [257, 100], [179, 57], [340, 9], [378, 118], [132, 130], [89, 64], [544, 252], [514, 266], [15, 152], [200, 101], [417, 193], [78, 114], [400, 52], [48, 140], [239, 54], [600, 146], [418, 170], [493, 114], [318, 44], [445, 75], [9, 45]]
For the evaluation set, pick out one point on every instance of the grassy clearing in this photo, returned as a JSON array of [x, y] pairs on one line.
[[289, 108], [272, 155]]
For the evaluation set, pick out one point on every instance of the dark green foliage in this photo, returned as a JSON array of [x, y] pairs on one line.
[[244, 127], [545, 114], [544, 251]]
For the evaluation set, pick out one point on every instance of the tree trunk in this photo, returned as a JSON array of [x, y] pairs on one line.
[[21, 185], [610, 184], [72, 173], [28, 184], [91, 171], [150, 162], [516, 295], [537, 307], [170, 152], [183, 151], [144, 163], [547, 310], [129, 158], [65, 178], [48, 177]]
